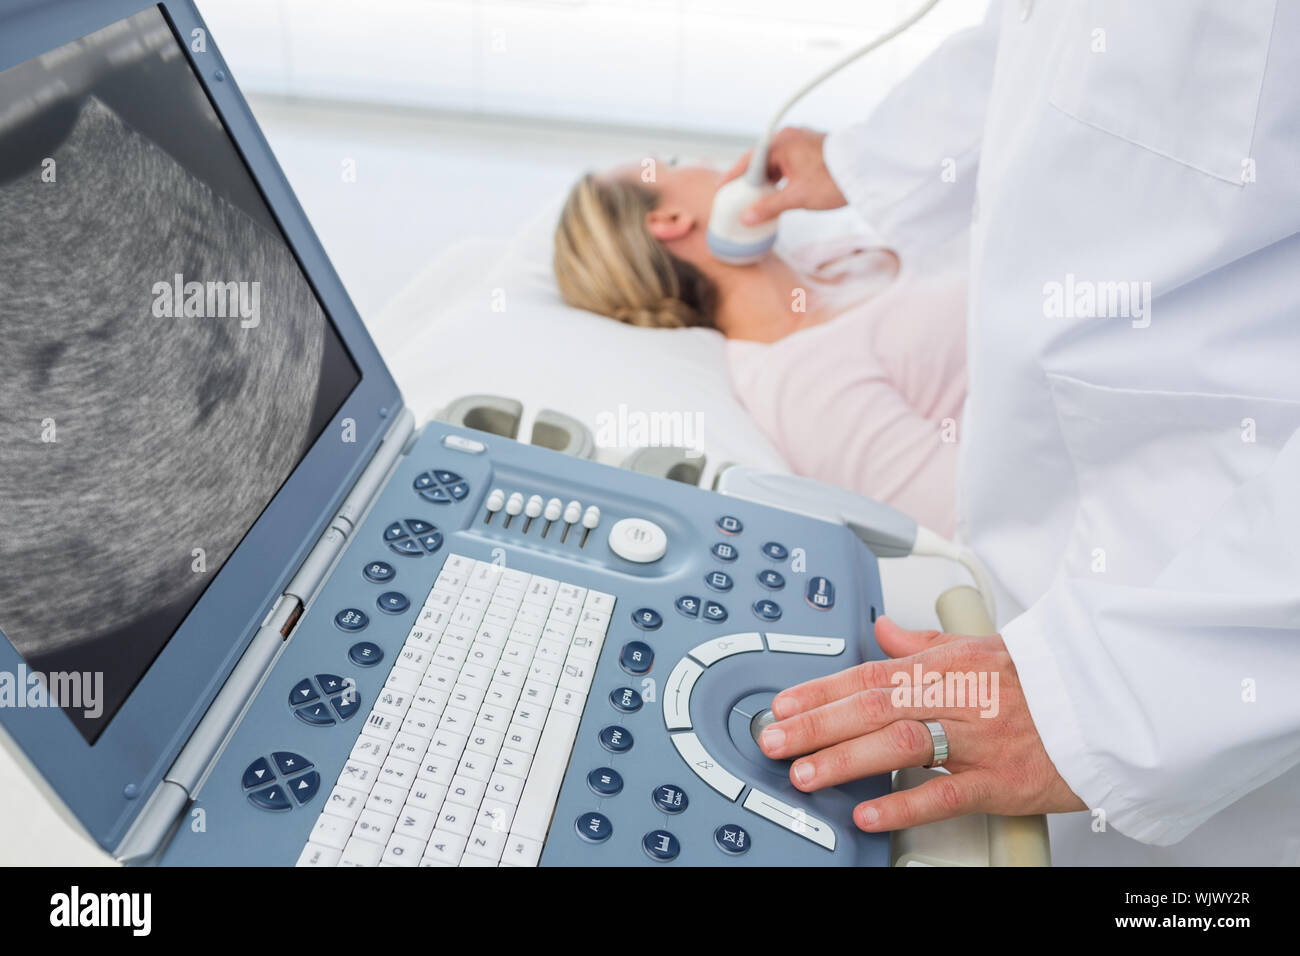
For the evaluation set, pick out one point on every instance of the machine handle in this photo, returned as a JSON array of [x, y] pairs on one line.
[[1011, 841]]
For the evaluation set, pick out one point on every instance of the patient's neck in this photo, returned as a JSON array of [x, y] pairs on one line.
[[763, 302]]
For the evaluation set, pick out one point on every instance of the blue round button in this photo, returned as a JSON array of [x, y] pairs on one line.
[[594, 827], [724, 551], [365, 654], [767, 610], [625, 699], [647, 618], [772, 580], [729, 524], [714, 612], [617, 740], [661, 845], [379, 572], [689, 605], [637, 657], [393, 602], [350, 619], [718, 580], [605, 781], [670, 798], [776, 551], [732, 839]]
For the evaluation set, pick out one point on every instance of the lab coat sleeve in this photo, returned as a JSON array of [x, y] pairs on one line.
[[909, 168], [1161, 705]]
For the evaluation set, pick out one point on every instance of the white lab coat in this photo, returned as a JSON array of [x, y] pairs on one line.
[[1133, 482]]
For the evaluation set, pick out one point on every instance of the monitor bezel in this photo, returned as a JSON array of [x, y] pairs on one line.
[[105, 785]]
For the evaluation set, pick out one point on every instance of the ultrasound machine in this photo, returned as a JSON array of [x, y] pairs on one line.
[[325, 636]]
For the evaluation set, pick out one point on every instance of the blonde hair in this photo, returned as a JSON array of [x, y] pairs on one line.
[[607, 261]]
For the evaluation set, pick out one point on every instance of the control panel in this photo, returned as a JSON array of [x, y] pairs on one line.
[[599, 649]]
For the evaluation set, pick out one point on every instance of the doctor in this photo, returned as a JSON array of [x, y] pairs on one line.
[[1130, 174]]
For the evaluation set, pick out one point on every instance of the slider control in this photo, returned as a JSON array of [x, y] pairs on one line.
[[590, 518], [495, 501], [572, 512], [514, 505], [554, 508], [532, 510]]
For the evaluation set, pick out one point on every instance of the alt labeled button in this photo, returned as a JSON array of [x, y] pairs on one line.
[[594, 827]]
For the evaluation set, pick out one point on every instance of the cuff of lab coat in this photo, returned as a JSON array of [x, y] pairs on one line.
[[1030, 639]]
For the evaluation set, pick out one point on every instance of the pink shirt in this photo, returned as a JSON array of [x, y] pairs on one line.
[[870, 400]]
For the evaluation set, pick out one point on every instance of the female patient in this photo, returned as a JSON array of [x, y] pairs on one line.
[[852, 363]]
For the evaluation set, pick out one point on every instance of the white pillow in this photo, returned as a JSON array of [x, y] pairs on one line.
[[487, 318]]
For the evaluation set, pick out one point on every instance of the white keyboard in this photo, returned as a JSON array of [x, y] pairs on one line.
[[460, 760]]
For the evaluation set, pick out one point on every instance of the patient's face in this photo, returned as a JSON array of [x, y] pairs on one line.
[[688, 188]]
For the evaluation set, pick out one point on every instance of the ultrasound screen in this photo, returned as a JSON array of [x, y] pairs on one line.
[[164, 362]]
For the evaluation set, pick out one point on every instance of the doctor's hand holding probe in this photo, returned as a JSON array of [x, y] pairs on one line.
[[1131, 450]]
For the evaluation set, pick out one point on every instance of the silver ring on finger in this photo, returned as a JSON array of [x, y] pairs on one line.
[[940, 740]]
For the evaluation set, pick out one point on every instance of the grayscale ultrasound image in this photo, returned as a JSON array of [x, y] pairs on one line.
[[132, 439]]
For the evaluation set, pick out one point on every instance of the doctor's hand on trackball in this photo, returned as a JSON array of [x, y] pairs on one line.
[[794, 155], [856, 723]]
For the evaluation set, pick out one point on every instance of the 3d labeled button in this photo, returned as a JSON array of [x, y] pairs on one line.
[[393, 602], [706, 768], [616, 740], [259, 772], [689, 605], [660, 845], [350, 619], [316, 714], [791, 818], [379, 572], [724, 551], [647, 618], [776, 551], [594, 827], [728, 524], [805, 644], [677, 694], [710, 652], [731, 838], [718, 580], [714, 612], [365, 653], [625, 699], [272, 798], [670, 798], [767, 609], [772, 580], [637, 657], [821, 593], [605, 781], [289, 763], [303, 693], [304, 788], [638, 540]]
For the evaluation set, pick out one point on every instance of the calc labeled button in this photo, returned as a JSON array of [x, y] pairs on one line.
[[677, 694], [670, 798], [710, 652], [794, 819], [638, 540], [637, 657], [258, 773], [706, 768], [594, 827], [805, 644]]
